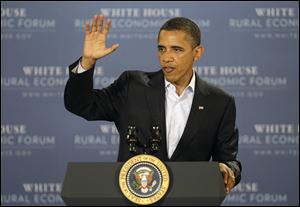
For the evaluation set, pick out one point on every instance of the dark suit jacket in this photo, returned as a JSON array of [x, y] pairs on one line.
[[138, 98]]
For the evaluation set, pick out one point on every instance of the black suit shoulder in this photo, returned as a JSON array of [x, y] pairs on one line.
[[210, 89]]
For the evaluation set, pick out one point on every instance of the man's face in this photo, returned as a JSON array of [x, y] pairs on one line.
[[176, 56]]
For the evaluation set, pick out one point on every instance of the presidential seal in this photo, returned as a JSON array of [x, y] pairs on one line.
[[144, 179]]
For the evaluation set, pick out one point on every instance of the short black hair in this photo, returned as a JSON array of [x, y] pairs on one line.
[[186, 25]]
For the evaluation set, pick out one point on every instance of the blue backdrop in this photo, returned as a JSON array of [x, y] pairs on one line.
[[252, 51]]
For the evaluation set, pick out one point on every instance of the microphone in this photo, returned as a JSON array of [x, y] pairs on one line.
[[131, 138], [156, 139], [137, 147]]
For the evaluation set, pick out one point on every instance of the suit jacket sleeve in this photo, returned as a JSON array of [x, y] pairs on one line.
[[227, 143], [92, 104]]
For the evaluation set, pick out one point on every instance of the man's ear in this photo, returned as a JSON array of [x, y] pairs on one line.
[[198, 51]]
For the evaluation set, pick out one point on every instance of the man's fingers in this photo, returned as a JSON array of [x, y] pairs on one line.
[[230, 183], [94, 25], [113, 47], [228, 177], [107, 25], [87, 27], [100, 23], [225, 176]]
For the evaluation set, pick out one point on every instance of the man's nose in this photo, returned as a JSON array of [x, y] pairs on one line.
[[167, 57]]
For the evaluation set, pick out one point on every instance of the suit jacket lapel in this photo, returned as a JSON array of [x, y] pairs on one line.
[[156, 103], [195, 118]]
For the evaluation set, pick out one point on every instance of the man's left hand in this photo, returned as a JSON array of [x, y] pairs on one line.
[[228, 176]]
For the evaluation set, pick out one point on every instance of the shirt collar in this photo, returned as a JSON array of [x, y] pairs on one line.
[[191, 84]]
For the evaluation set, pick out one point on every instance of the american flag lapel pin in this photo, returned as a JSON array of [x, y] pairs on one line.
[[201, 108]]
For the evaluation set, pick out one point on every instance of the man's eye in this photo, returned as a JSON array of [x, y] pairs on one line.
[[160, 49], [177, 50]]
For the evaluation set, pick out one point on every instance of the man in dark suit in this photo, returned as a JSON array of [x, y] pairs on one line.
[[196, 120]]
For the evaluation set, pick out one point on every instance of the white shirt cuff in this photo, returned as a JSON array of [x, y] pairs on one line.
[[80, 69]]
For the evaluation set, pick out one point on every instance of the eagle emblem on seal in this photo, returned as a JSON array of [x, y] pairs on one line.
[[144, 179]]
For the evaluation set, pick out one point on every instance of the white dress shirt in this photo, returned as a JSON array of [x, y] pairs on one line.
[[177, 110]]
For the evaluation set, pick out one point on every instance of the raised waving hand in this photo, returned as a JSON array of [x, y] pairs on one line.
[[95, 42]]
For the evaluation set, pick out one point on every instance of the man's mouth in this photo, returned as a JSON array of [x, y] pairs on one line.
[[168, 69]]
